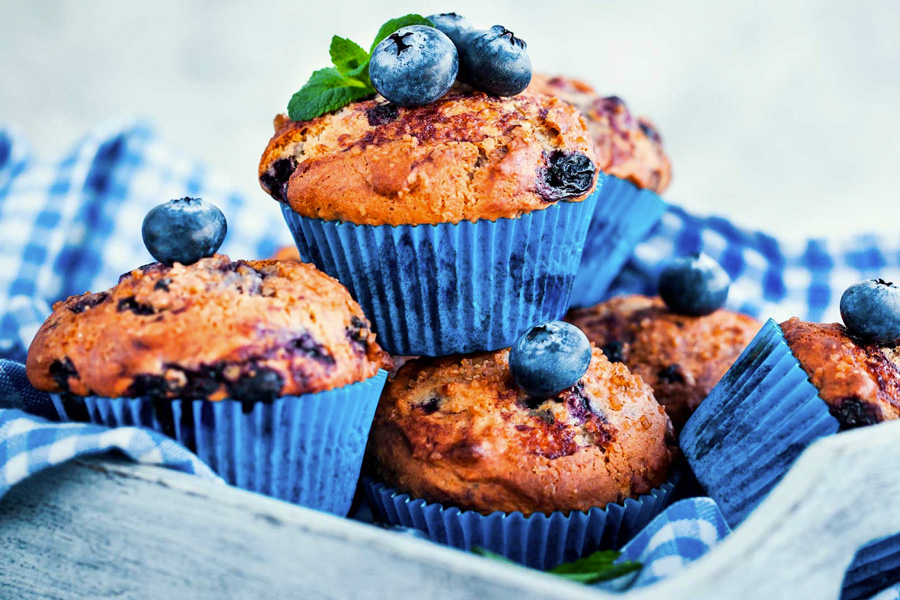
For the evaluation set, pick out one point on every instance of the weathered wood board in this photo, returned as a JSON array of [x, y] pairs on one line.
[[100, 529]]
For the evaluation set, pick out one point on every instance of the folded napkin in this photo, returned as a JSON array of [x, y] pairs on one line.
[[73, 225]]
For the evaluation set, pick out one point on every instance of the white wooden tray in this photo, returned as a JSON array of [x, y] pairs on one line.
[[97, 529]]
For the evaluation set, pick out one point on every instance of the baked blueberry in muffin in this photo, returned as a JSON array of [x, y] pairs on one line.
[[459, 431]]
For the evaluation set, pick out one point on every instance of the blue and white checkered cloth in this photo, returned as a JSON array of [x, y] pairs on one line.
[[29, 443], [73, 225]]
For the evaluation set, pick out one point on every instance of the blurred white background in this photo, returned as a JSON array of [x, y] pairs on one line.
[[781, 115]]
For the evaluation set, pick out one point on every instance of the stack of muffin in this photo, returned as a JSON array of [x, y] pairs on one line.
[[458, 226]]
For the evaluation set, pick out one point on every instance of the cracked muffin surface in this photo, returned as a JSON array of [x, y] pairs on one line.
[[629, 148], [681, 357], [860, 381], [457, 430], [249, 330], [467, 156]]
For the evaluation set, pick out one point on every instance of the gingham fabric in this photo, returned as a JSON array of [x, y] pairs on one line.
[[29, 443], [681, 534], [772, 278], [73, 225]]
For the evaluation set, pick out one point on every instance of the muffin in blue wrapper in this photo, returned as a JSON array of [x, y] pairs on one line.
[[303, 449], [540, 541], [470, 451], [754, 424], [456, 288], [455, 224], [624, 215], [267, 370]]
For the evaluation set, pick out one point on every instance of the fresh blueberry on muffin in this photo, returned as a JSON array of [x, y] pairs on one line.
[[871, 310], [494, 61], [694, 285], [549, 358], [414, 65], [459, 431], [183, 230], [452, 25]]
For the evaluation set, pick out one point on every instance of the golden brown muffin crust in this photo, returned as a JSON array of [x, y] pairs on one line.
[[287, 253], [859, 381], [467, 156], [456, 430], [213, 329], [626, 147], [681, 357]]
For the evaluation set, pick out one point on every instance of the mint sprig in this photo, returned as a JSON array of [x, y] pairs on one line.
[[335, 87], [593, 568]]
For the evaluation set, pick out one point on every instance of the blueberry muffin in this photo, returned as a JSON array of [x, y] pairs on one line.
[[251, 330], [681, 357], [458, 431], [466, 156], [794, 384], [627, 147], [434, 215], [858, 379]]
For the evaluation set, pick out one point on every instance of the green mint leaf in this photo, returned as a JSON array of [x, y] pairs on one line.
[[347, 55], [327, 90], [599, 566], [395, 24], [492, 555]]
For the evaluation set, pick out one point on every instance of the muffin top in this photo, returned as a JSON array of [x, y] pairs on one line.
[[859, 381], [457, 430], [626, 147], [681, 357], [249, 330], [467, 156]]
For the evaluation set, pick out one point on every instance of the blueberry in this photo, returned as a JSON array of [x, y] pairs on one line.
[[549, 358], [567, 175], [871, 310], [452, 25], [494, 61], [414, 65], [183, 230], [694, 285]]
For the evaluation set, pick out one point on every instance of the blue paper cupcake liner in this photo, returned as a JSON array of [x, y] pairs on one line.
[[754, 424], [625, 214], [303, 449], [443, 289], [875, 567], [538, 541]]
